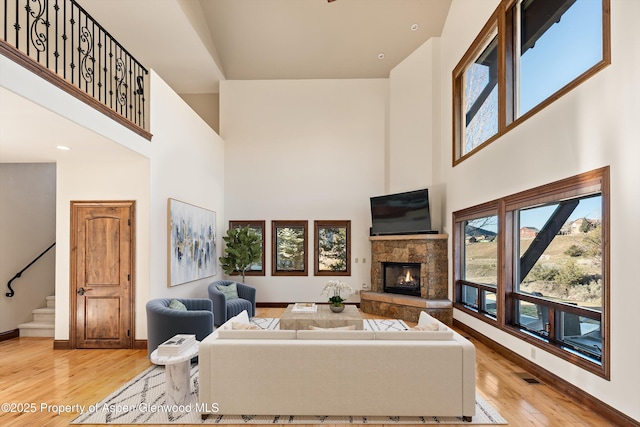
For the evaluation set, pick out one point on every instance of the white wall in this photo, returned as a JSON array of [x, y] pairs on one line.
[[27, 227], [304, 150], [593, 126], [187, 164], [413, 126]]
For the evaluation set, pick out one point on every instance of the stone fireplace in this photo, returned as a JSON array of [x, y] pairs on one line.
[[415, 267]]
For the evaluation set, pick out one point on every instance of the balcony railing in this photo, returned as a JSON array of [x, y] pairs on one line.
[[62, 37]]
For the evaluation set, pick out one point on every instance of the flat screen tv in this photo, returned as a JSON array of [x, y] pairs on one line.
[[401, 213]]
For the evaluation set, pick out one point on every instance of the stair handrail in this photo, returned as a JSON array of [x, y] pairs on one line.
[[19, 274]]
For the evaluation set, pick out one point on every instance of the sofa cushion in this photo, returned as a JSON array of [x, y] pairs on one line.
[[249, 334], [412, 335], [229, 291], [426, 327], [335, 334], [243, 317], [177, 305], [336, 328], [238, 326]]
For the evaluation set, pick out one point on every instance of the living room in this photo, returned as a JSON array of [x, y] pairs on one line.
[[317, 150]]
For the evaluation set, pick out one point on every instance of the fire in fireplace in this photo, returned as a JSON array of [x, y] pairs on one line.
[[401, 278]]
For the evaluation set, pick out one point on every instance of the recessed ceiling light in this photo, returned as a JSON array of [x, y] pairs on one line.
[[414, 27], [381, 55], [63, 148]]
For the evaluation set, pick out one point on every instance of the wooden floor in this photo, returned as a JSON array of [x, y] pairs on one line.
[[41, 382]]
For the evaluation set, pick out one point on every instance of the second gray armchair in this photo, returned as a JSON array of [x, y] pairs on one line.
[[227, 303]]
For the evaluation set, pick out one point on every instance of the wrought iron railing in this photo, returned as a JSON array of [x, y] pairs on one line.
[[19, 274], [61, 36]]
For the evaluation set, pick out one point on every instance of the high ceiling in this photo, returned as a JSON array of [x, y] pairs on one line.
[[193, 44]]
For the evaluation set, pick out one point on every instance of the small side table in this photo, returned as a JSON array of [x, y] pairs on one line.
[[177, 370]]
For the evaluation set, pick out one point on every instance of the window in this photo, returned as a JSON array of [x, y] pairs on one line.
[[477, 255], [258, 226], [289, 248], [530, 53], [553, 290], [332, 248]]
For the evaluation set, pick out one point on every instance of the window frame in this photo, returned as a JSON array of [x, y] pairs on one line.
[[317, 226], [503, 18], [275, 225], [257, 224], [592, 182]]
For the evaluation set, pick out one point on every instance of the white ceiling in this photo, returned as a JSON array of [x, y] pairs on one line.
[[193, 44]]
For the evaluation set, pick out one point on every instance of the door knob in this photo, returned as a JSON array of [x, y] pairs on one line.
[[81, 291]]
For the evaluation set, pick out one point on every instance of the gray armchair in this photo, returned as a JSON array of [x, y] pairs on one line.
[[164, 322], [224, 309]]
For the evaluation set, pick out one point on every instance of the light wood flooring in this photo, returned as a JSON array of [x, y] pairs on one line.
[[35, 376]]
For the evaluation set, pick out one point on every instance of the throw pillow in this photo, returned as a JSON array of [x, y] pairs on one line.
[[346, 328], [229, 291], [244, 326], [426, 327], [177, 305]]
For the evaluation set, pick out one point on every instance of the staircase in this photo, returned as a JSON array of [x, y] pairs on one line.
[[42, 324]]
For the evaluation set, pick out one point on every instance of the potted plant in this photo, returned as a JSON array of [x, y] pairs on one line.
[[243, 249], [333, 289]]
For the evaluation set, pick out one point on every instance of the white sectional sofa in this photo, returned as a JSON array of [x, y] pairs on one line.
[[337, 372]]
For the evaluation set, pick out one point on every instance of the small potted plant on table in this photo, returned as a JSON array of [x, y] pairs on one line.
[[333, 289]]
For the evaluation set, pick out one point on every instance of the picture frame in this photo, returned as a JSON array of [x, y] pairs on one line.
[[259, 227], [332, 248], [289, 248], [192, 244]]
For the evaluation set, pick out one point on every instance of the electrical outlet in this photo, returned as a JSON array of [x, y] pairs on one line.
[[364, 260], [533, 353], [356, 260]]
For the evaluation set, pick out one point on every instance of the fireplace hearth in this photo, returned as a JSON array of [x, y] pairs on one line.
[[401, 278]]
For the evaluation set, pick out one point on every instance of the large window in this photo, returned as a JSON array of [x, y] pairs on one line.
[[529, 53], [553, 289]]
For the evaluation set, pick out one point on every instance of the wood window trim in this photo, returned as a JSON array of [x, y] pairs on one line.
[[274, 247], [317, 225], [254, 224], [577, 186], [503, 19]]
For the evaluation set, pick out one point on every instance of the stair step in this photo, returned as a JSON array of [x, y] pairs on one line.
[[51, 301], [36, 329], [46, 315]]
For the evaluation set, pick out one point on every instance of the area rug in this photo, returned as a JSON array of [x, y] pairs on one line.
[[141, 401]]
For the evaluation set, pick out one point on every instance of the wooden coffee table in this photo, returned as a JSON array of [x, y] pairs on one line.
[[323, 318]]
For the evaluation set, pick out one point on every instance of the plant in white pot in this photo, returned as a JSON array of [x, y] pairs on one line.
[[243, 249]]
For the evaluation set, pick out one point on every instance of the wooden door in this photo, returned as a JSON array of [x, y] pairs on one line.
[[102, 274]]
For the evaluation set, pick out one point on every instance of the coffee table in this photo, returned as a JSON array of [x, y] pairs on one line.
[[323, 318]]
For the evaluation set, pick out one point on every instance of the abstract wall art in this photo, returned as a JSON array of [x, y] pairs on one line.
[[192, 243]]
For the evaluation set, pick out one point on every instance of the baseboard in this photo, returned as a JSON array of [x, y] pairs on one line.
[[578, 395], [8, 335], [140, 344], [61, 345]]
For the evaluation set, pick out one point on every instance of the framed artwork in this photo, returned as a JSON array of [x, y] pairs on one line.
[[192, 243], [332, 248], [259, 227], [289, 248]]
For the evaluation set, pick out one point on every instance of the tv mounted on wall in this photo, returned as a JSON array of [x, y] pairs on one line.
[[401, 213]]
